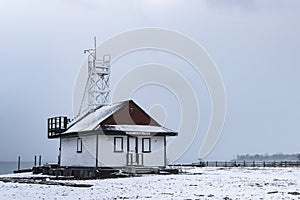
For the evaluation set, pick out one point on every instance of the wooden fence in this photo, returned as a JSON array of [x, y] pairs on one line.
[[241, 164]]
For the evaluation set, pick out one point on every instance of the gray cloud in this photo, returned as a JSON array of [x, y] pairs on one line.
[[242, 5], [257, 53]]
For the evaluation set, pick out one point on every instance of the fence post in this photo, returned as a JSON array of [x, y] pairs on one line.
[[244, 163], [264, 164], [253, 164], [225, 164], [19, 162], [216, 163], [206, 163], [40, 160], [35, 160]]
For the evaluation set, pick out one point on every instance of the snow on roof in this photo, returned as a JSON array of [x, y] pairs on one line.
[[89, 121], [137, 128]]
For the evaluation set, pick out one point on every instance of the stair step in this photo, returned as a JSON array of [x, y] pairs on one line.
[[141, 170]]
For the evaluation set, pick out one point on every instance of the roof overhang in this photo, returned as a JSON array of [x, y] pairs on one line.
[[114, 132]]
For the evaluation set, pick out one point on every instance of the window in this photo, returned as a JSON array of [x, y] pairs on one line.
[[79, 145], [118, 144], [146, 145]]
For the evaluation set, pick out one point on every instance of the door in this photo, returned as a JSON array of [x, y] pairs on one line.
[[132, 150], [134, 154]]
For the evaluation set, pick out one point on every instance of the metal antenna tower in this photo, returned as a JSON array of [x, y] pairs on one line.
[[97, 86]]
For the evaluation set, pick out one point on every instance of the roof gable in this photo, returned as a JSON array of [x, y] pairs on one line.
[[130, 114]]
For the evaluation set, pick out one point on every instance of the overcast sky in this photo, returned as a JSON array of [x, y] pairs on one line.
[[255, 44]]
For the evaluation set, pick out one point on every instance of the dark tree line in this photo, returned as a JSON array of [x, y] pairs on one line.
[[266, 157]]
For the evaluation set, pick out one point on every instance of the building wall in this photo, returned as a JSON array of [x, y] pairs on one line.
[[69, 155], [106, 155], [156, 157]]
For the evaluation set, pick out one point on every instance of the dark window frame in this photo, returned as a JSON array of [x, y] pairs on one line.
[[143, 145], [79, 145], [115, 145]]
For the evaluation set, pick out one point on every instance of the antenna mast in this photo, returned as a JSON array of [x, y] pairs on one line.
[[97, 87]]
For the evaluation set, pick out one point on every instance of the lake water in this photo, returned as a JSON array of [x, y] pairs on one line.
[[9, 167]]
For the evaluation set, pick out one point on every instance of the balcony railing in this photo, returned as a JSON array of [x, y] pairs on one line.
[[56, 126]]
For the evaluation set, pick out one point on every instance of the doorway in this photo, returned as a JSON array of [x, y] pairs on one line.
[[133, 155]]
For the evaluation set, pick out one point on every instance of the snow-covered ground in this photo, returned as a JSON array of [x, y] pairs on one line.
[[200, 183]]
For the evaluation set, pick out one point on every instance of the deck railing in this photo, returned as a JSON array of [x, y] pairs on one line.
[[135, 158]]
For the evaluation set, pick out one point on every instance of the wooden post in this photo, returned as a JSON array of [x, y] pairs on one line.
[[216, 163], [244, 163], [35, 160], [225, 164], [165, 151], [264, 164], [59, 153], [253, 164], [206, 163], [97, 147], [40, 160], [19, 162]]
